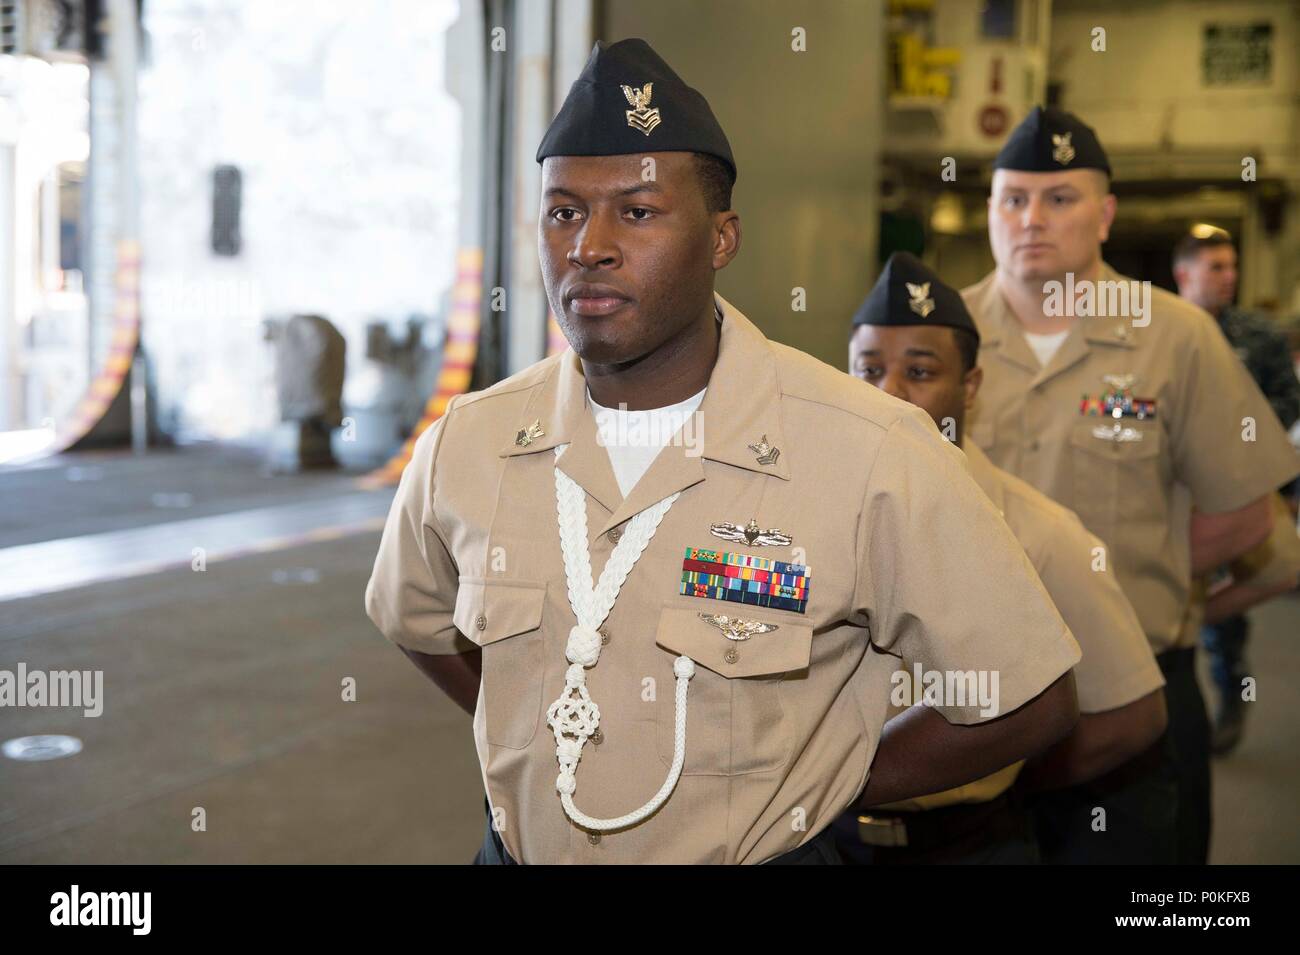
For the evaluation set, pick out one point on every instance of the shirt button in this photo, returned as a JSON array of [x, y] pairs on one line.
[[593, 838], [481, 622], [1033, 445], [598, 737], [604, 638], [614, 534], [731, 656]]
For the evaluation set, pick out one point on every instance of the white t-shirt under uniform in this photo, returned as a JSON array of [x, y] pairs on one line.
[[1045, 346], [633, 439]]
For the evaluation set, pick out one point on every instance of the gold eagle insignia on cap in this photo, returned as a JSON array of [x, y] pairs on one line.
[[921, 302], [641, 116], [737, 628], [1062, 151]]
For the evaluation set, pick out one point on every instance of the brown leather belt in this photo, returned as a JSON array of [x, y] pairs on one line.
[[925, 829]]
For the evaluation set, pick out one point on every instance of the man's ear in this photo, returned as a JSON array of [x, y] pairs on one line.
[[1108, 206], [971, 382], [726, 239]]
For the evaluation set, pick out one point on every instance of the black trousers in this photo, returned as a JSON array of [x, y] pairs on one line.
[[1189, 728], [819, 850], [1157, 806], [1127, 817]]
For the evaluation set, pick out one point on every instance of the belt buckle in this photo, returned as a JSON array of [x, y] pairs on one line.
[[884, 831]]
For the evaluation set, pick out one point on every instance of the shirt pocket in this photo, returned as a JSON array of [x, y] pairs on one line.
[[504, 618], [1117, 477], [735, 719]]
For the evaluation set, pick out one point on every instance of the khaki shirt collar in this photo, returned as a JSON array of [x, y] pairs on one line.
[[1005, 335], [741, 406]]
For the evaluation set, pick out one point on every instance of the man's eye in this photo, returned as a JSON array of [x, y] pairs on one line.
[[639, 213], [1011, 202], [1062, 200], [919, 372], [871, 371], [565, 215]]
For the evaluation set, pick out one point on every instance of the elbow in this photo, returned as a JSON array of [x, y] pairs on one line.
[[1253, 529], [1220, 538], [1109, 740], [1260, 528], [1160, 723], [1154, 721], [1101, 742], [1142, 723], [1061, 713]]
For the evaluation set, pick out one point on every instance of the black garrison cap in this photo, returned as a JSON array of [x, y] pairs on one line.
[[908, 293], [629, 101], [1050, 140]]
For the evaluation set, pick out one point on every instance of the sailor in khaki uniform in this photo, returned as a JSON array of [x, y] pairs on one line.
[[913, 338], [1125, 404], [687, 658]]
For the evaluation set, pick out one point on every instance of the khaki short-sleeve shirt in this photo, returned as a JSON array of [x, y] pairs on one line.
[[1118, 666], [1192, 429], [904, 556]]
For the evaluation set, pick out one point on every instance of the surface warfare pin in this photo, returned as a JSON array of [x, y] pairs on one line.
[[751, 534]]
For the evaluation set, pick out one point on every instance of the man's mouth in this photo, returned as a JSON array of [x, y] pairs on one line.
[[595, 300], [596, 306]]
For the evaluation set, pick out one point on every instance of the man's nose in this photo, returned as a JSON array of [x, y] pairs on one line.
[[594, 246], [1031, 217], [896, 385]]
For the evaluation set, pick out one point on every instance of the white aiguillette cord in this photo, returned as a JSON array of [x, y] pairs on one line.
[[574, 716]]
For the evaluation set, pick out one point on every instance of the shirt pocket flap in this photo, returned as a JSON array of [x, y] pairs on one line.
[[491, 610], [786, 647], [1127, 442]]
